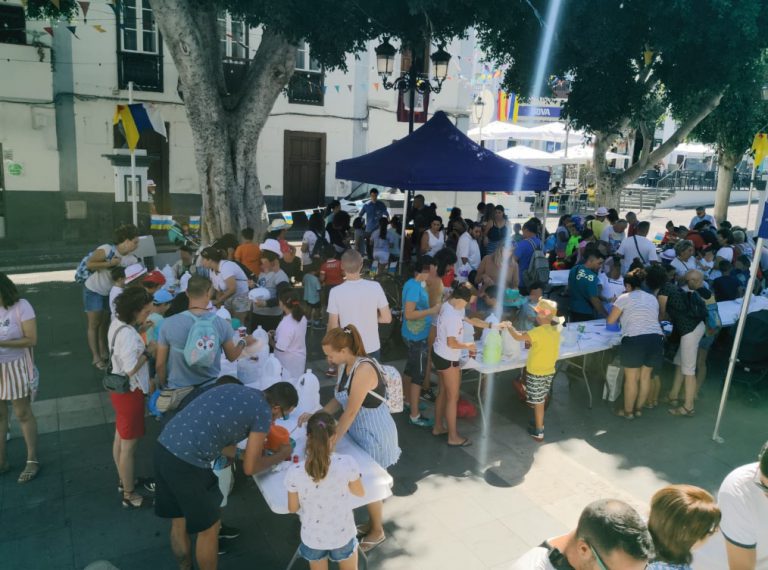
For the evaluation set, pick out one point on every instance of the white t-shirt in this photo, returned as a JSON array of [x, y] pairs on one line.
[[226, 270], [535, 559], [325, 508], [357, 302], [725, 253], [469, 248], [291, 345], [744, 521], [10, 328], [450, 323], [610, 287], [270, 281], [639, 313], [643, 249], [113, 294], [310, 238], [494, 320], [129, 346], [100, 281], [683, 267], [612, 237]]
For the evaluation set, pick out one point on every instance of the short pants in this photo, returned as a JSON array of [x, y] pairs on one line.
[[94, 302], [335, 554], [186, 491], [689, 350], [238, 303], [642, 350], [537, 387], [441, 363], [417, 357]]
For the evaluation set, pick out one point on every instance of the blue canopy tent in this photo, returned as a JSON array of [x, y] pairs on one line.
[[438, 156]]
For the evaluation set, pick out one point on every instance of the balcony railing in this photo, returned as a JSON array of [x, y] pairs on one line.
[[144, 69], [235, 70], [306, 88]]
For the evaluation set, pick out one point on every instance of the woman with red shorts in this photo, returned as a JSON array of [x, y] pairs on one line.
[[130, 356]]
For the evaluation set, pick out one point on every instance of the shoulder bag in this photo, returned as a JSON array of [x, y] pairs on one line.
[[113, 382]]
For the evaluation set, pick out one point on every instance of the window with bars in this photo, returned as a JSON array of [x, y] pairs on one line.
[[233, 35], [307, 84], [12, 25]]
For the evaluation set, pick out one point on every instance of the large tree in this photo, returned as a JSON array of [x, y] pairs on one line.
[[226, 125], [631, 60], [733, 125]]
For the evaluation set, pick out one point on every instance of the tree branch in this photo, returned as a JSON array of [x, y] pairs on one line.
[[629, 175]]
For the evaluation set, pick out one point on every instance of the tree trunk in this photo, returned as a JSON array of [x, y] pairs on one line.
[[725, 165], [225, 126], [608, 191]]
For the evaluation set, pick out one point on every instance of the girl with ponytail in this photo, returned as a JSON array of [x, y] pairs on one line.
[[363, 415], [318, 489], [289, 340]]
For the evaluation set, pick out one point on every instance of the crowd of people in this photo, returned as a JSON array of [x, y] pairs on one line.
[[161, 337]]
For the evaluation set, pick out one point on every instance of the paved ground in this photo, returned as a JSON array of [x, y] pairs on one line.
[[478, 507]]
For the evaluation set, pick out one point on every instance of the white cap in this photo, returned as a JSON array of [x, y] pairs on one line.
[[601, 211], [134, 271], [272, 245]]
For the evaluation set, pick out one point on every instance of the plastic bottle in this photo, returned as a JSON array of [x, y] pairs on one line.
[[510, 346], [309, 392], [492, 348]]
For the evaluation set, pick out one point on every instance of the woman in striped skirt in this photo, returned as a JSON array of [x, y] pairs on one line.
[[18, 334], [364, 416]]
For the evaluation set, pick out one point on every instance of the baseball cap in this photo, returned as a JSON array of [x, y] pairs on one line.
[[272, 245], [601, 211], [134, 271], [161, 297], [155, 277]]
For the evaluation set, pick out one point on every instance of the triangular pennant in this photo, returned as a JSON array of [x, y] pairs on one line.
[[113, 6], [84, 8], [73, 29], [336, 87], [99, 28], [56, 3], [350, 88], [24, 3], [49, 30], [376, 86]]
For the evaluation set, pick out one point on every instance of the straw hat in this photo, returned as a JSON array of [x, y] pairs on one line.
[[134, 271], [546, 307], [278, 224]]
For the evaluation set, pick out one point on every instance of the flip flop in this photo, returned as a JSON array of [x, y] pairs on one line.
[[466, 443], [28, 474], [368, 545], [682, 411], [362, 530], [100, 364]]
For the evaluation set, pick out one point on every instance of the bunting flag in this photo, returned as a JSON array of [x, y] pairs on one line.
[[760, 148], [84, 8], [24, 3], [376, 86], [501, 106], [515, 107], [336, 87], [194, 222], [73, 29], [288, 217], [49, 30], [161, 222], [308, 213], [350, 88], [112, 5], [99, 28], [138, 118], [56, 3]]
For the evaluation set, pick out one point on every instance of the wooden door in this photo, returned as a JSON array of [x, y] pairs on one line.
[[303, 170]]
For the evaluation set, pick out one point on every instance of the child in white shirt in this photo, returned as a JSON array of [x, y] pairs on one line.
[[118, 284], [290, 339]]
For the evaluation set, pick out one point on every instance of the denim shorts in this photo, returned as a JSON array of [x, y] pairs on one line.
[[335, 554], [94, 302]]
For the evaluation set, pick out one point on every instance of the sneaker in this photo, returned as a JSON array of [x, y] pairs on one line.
[[421, 421], [537, 434], [428, 395], [228, 532], [422, 407]]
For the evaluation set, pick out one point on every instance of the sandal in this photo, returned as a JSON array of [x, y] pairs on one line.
[[367, 545], [682, 411], [132, 500], [625, 415], [466, 443], [638, 413], [31, 470], [5, 468], [362, 530], [673, 402], [100, 364]]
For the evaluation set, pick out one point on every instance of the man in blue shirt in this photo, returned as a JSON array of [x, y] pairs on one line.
[[702, 216], [583, 288], [525, 247], [415, 332], [209, 426], [373, 211]]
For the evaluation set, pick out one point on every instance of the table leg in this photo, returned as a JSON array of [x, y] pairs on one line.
[[480, 378], [293, 560], [586, 380]]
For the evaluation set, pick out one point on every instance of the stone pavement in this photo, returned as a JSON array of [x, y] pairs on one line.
[[478, 507]]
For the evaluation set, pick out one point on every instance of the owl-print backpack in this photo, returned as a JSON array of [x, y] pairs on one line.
[[202, 346]]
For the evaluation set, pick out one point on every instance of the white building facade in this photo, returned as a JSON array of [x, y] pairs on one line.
[[63, 175]]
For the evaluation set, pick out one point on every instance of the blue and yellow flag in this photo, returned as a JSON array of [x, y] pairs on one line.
[[138, 118]]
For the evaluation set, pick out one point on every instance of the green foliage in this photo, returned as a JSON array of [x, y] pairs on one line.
[[40, 9], [741, 113], [699, 47]]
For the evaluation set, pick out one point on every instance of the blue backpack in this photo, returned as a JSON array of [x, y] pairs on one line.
[[203, 342], [82, 273]]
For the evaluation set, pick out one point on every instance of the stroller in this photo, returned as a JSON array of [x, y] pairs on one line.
[[752, 361]]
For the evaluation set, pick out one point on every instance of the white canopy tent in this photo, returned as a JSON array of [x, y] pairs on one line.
[[538, 158], [695, 150], [497, 130], [553, 132]]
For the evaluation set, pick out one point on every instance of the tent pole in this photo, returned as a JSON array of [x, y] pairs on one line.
[[402, 232], [741, 323], [751, 188], [544, 223], [134, 186]]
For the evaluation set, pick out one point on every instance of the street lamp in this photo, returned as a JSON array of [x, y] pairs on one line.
[[478, 106], [385, 58], [764, 91]]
